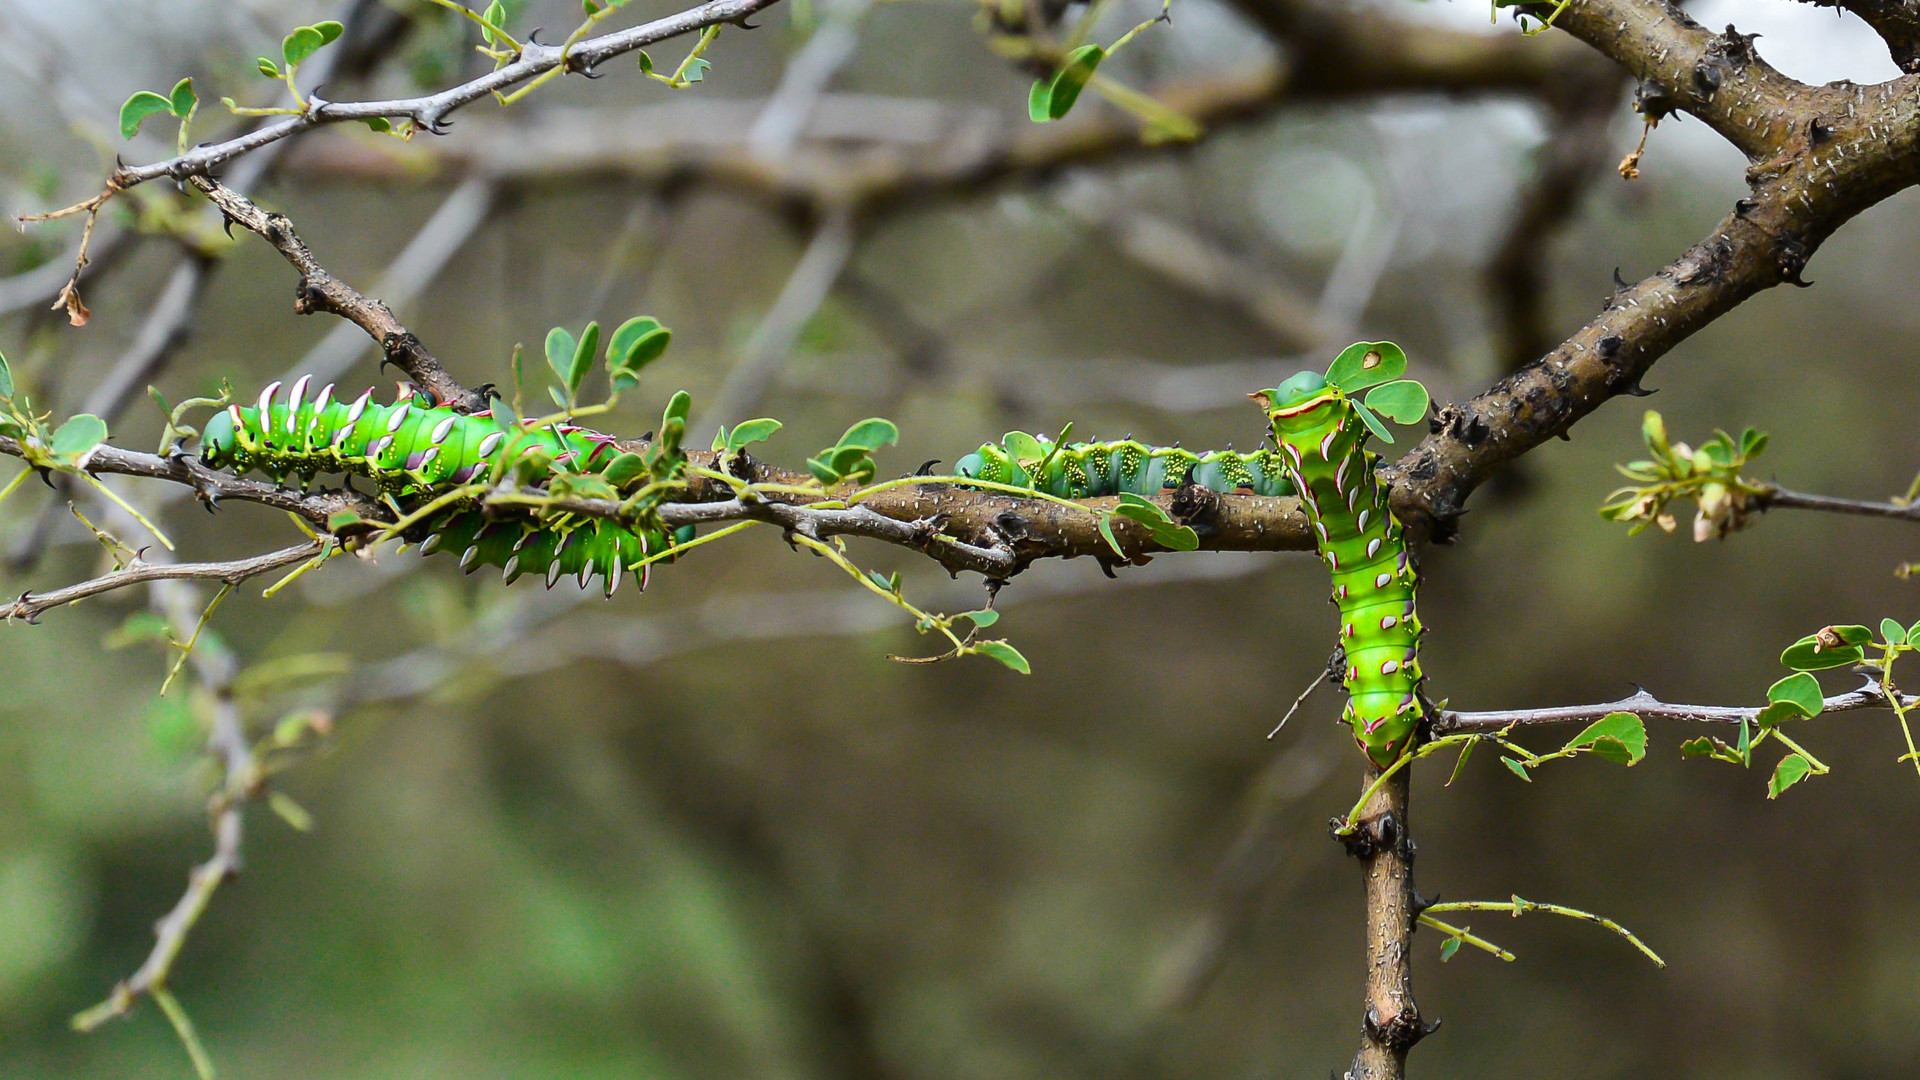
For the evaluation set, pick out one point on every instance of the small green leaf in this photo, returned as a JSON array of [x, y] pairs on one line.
[[1799, 691], [677, 408], [183, 100], [583, 356], [1006, 654], [300, 44], [646, 63], [826, 474], [341, 519], [1513, 765], [589, 7], [750, 432], [138, 628], [1808, 654], [1053, 98], [1373, 422], [1892, 632], [1619, 737], [1792, 769], [720, 439], [496, 16], [983, 618], [560, 347], [852, 462], [559, 397], [6, 385], [379, 124], [1700, 747], [637, 342], [1023, 447], [1653, 429], [1402, 401], [1448, 948], [1145, 509], [136, 109], [330, 31], [624, 469], [1106, 531], [266, 68], [1779, 712], [1913, 632], [1752, 443], [871, 433], [1853, 635], [696, 70], [1366, 363], [78, 435]]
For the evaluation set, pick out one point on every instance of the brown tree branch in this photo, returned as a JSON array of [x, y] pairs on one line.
[[232, 572], [1896, 21], [320, 291], [1391, 1020], [1842, 148]]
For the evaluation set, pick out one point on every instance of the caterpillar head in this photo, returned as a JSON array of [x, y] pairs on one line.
[[220, 441], [1303, 402]]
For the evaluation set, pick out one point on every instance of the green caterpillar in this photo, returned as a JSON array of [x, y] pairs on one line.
[[1322, 427], [1090, 470], [415, 448], [1321, 431]]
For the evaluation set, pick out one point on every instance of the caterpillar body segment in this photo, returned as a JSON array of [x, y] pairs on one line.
[[1322, 436], [1089, 470], [417, 449]]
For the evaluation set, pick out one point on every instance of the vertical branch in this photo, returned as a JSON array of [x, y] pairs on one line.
[[1391, 1019]]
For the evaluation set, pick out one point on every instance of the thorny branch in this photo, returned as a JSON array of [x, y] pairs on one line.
[[138, 571], [321, 291], [1645, 706], [429, 113]]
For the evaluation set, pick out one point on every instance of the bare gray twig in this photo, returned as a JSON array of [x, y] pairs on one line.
[[1779, 497], [1643, 705], [232, 572]]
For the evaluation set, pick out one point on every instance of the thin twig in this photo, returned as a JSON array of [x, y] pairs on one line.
[[233, 571], [1643, 705], [1779, 497], [321, 291], [429, 113]]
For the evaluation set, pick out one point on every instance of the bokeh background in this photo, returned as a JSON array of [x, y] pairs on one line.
[[712, 832]]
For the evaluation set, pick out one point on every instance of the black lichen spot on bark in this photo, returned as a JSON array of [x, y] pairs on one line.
[[1743, 207], [1610, 347], [1818, 131], [1711, 264], [1706, 77], [1655, 101], [1791, 256]]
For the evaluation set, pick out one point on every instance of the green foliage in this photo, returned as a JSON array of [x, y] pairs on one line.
[[180, 102], [1052, 98], [296, 47], [1710, 475], [1005, 654], [1167, 532], [1829, 647], [1792, 769], [1619, 737], [852, 457], [1366, 363]]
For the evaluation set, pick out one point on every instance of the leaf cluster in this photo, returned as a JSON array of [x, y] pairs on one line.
[[1709, 474]]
